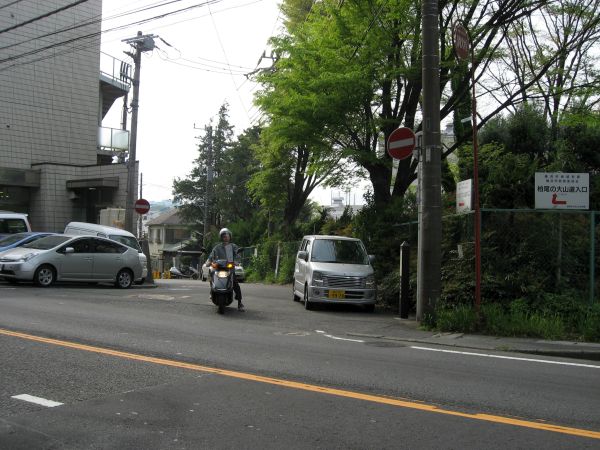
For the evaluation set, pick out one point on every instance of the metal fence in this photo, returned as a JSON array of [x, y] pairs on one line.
[[524, 254]]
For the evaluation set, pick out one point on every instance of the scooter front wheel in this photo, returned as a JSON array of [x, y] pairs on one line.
[[221, 309]]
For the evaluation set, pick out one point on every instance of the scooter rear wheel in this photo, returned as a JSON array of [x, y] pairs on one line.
[[221, 309]]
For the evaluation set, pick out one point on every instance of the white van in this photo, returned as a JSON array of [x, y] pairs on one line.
[[334, 269], [115, 234], [12, 222]]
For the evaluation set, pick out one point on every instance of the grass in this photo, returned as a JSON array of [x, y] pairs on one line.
[[519, 322]]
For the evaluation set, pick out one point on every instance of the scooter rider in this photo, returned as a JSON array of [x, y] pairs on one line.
[[228, 251]]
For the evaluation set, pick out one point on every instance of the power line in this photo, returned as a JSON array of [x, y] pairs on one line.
[[227, 61], [43, 16], [91, 21], [10, 4], [97, 33]]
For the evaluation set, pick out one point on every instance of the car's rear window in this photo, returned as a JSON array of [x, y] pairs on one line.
[[48, 242], [12, 226], [127, 240], [339, 251]]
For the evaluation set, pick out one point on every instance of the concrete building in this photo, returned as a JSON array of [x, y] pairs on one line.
[[57, 163]]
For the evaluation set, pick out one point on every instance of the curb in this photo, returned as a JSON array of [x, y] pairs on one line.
[[592, 354]]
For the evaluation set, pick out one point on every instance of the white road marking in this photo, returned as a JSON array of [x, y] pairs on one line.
[[37, 400], [330, 336], [343, 339], [515, 358]]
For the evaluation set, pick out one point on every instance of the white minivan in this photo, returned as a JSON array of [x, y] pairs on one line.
[[113, 233], [12, 222], [334, 269]]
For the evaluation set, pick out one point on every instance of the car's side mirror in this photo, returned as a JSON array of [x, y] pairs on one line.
[[69, 250], [371, 259], [303, 255]]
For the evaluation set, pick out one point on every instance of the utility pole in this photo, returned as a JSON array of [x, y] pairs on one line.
[[140, 43], [430, 206], [209, 179]]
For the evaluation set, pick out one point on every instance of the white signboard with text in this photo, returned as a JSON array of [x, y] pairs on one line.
[[464, 196], [557, 190]]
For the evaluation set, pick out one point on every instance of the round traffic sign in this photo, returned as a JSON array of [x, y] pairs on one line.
[[401, 143], [460, 40], [142, 206]]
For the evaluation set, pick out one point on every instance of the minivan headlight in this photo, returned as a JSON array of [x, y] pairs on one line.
[[370, 282], [317, 279]]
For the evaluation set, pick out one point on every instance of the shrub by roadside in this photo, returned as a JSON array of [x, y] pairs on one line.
[[558, 318]]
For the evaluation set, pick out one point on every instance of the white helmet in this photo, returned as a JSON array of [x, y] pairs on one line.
[[224, 231]]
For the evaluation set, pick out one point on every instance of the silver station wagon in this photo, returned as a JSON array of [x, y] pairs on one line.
[[334, 269], [72, 258]]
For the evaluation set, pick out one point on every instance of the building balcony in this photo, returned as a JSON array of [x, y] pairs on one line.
[[115, 80], [113, 140]]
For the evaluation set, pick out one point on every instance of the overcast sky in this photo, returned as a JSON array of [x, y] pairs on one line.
[[184, 84]]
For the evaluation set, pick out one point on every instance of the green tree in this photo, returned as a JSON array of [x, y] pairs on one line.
[[233, 164]]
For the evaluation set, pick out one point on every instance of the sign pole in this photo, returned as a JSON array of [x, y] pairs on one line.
[[476, 189]]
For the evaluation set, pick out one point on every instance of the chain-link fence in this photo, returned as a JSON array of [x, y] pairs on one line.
[[524, 254], [272, 261]]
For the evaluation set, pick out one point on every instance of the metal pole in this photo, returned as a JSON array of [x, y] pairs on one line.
[[476, 189], [131, 178], [140, 215], [404, 279], [592, 256], [430, 207]]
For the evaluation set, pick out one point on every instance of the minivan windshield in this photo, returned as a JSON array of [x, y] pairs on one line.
[[129, 241], [48, 242], [339, 251]]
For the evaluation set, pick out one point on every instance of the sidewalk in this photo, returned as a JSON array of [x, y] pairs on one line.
[[406, 330]]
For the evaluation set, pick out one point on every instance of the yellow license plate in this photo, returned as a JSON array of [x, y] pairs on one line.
[[337, 294]]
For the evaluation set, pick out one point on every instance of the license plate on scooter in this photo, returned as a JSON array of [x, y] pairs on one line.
[[222, 274]]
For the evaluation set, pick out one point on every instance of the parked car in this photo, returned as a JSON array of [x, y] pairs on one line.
[[19, 239], [11, 223], [205, 271], [71, 258], [240, 274], [334, 269], [113, 233]]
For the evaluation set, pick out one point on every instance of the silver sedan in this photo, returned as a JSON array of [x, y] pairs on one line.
[[72, 258]]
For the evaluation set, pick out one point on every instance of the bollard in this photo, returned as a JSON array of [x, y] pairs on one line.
[[404, 280]]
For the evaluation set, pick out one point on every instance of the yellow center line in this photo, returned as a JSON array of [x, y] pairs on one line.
[[309, 387]]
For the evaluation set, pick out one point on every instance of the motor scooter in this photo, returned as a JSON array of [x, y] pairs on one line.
[[221, 283], [184, 272]]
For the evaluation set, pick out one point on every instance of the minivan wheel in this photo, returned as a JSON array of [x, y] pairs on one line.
[[44, 276], [124, 279], [307, 305]]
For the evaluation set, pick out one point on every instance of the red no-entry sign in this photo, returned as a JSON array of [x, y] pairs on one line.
[[142, 206], [401, 143]]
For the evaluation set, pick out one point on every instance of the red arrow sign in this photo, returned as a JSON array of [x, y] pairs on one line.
[[142, 206], [401, 143]]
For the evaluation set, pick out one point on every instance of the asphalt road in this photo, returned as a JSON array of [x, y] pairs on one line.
[[158, 368]]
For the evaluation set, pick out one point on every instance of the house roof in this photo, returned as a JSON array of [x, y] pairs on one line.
[[171, 217]]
